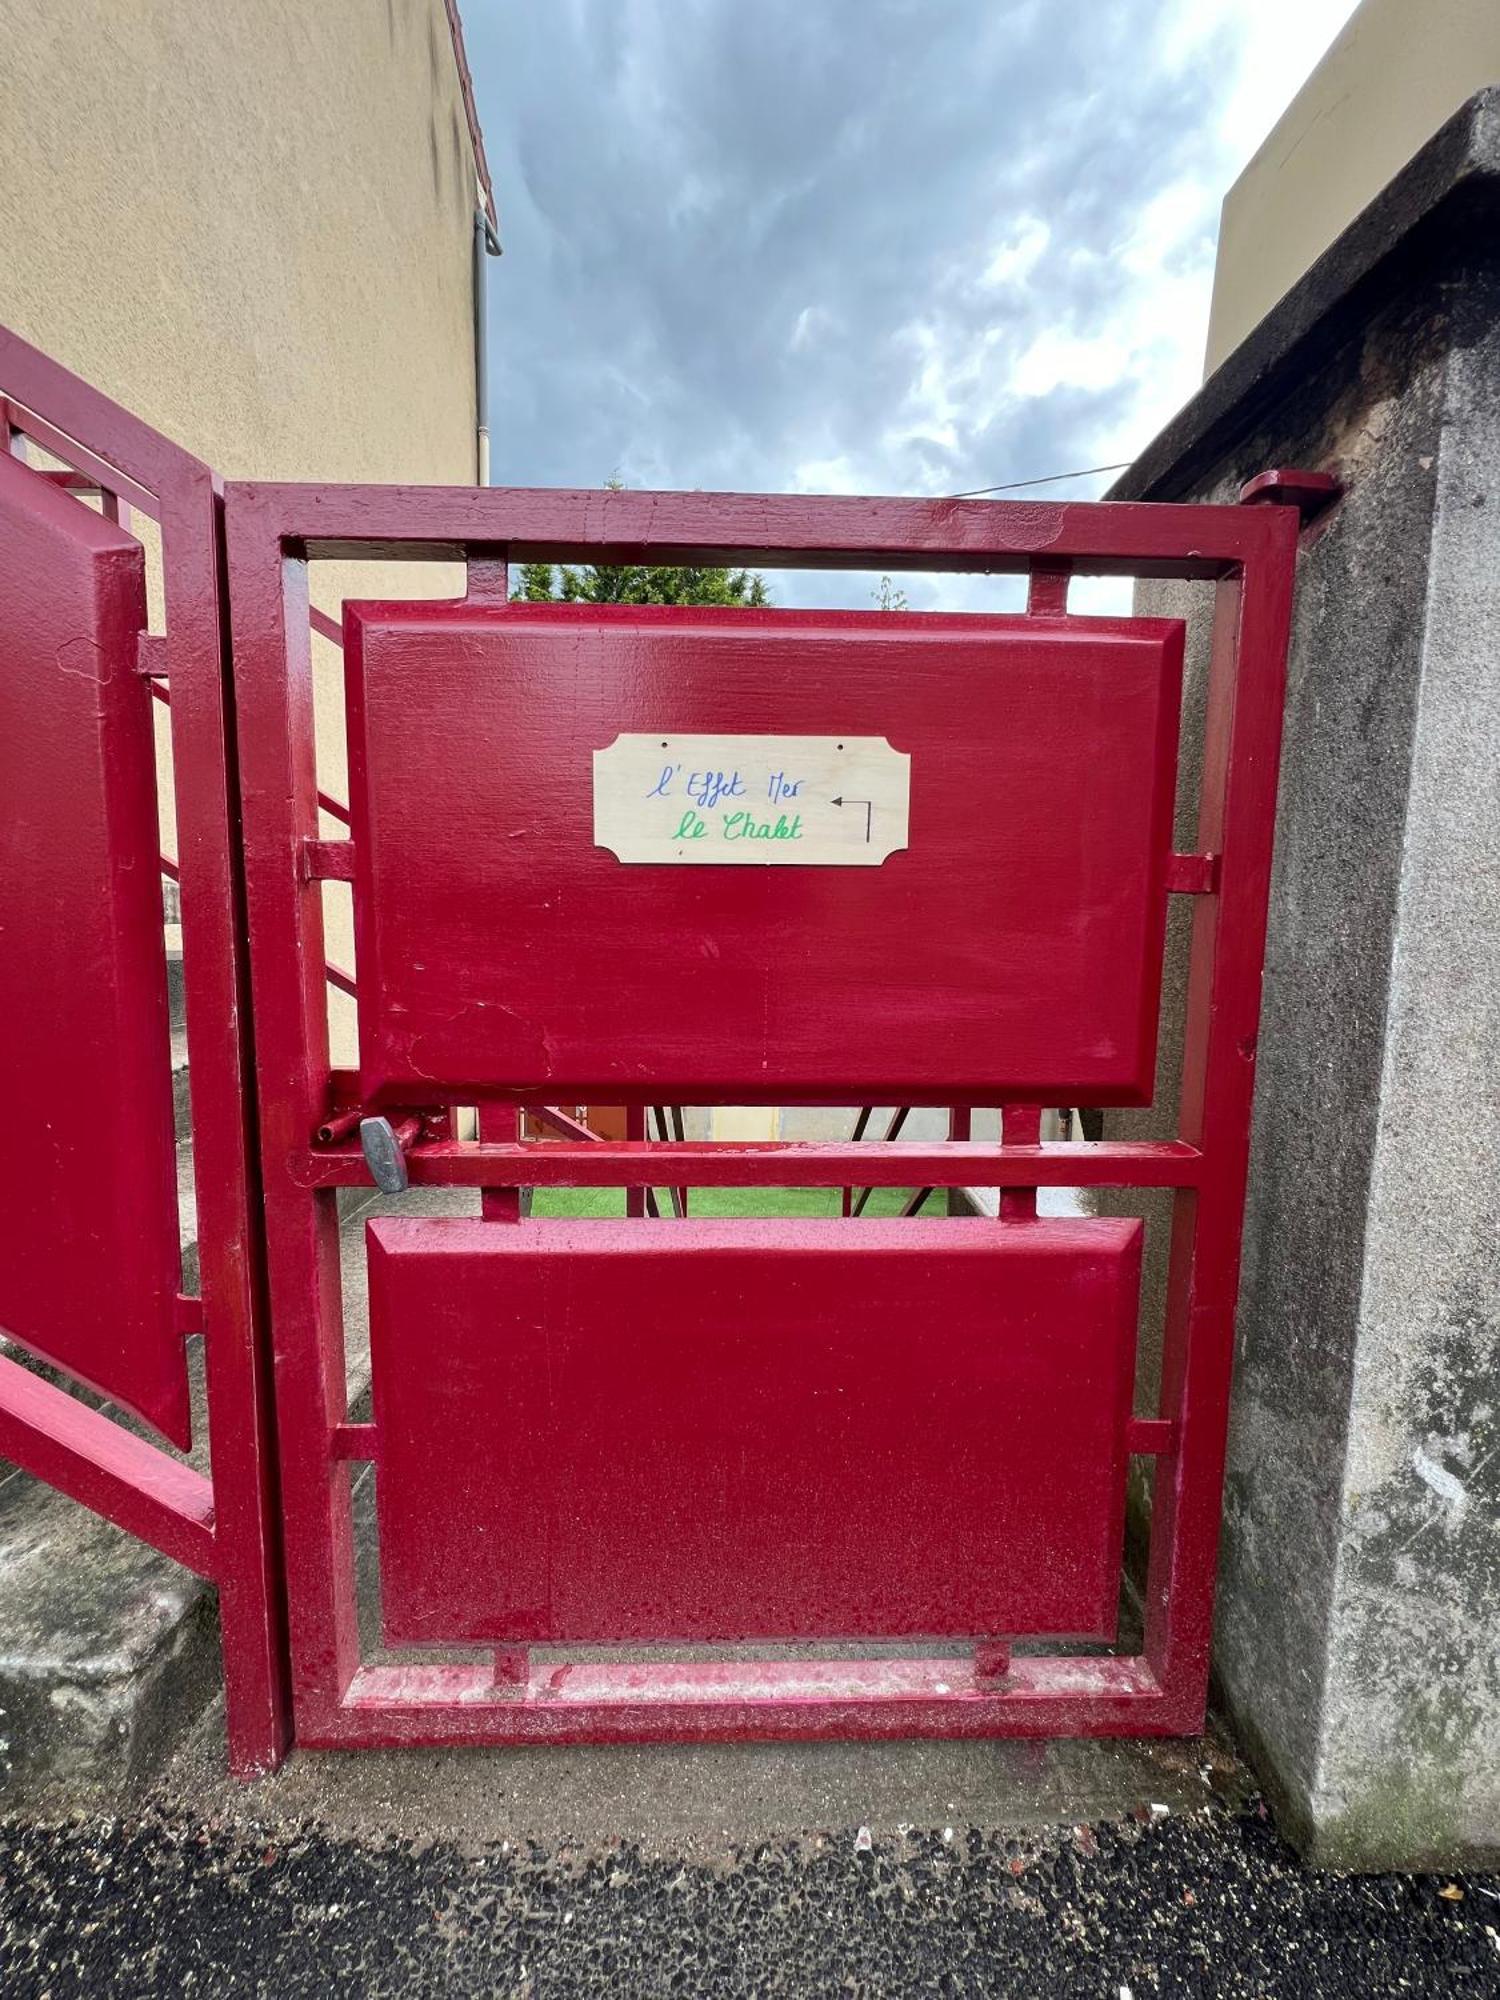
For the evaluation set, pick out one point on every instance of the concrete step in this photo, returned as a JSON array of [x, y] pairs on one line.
[[107, 1650], [176, 1005], [182, 1119]]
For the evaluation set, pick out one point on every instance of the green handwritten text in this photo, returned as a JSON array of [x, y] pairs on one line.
[[745, 826]]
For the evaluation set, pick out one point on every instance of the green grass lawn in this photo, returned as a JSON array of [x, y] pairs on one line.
[[729, 1201]]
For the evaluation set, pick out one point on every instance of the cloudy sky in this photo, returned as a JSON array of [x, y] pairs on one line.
[[886, 246]]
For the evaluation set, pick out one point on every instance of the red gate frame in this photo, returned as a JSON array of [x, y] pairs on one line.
[[1248, 553], [225, 1529]]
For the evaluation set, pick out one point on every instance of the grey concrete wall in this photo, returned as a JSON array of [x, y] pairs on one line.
[[1358, 1633], [1413, 1740]]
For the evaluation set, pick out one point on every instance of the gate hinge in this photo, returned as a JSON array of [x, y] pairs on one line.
[[1311, 493], [327, 860]]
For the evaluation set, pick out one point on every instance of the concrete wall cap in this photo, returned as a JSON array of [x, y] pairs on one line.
[[1432, 205]]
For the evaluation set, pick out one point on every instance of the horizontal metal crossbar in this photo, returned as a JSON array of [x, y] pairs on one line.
[[109, 478], [55, 1438], [773, 1163], [707, 1700], [554, 524], [1145, 1437]]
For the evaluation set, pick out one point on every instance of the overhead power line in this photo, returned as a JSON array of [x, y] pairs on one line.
[[1051, 479]]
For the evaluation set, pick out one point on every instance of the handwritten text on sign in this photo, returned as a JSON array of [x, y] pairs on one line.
[[777, 801]]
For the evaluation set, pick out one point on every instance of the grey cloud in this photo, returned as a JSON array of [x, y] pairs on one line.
[[681, 182]]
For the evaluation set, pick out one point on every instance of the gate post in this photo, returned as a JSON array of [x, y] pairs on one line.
[[1359, 1596]]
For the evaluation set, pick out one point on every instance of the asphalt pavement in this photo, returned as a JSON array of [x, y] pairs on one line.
[[1204, 1902]]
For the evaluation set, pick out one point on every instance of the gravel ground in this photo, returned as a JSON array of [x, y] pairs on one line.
[[1209, 1902]]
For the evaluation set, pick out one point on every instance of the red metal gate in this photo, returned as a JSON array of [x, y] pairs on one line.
[[91, 1279], [889, 1457]]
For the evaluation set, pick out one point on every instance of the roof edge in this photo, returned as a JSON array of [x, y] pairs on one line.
[[471, 111]]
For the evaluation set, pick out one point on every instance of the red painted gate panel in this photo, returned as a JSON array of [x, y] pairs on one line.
[[599, 1431], [90, 1263], [648, 1432], [1013, 947], [88, 1205]]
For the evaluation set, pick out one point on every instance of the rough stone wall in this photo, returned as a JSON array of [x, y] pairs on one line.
[[1411, 1732], [1351, 691], [1365, 1676]]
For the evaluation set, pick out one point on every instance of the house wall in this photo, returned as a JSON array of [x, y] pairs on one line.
[[1397, 71], [249, 224], [253, 225]]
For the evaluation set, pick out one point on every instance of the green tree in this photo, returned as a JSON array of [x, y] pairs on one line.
[[639, 583]]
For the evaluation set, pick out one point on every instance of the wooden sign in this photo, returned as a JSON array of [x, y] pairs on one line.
[[759, 801]]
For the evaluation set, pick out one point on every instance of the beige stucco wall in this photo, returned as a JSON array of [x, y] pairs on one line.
[[1395, 73], [251, 222]]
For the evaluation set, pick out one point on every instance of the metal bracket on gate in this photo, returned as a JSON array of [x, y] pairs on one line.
[[328, 860]]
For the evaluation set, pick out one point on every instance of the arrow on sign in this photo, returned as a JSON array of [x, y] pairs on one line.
[[869, 809]]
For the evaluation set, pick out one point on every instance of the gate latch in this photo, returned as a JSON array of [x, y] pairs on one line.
[[384, 1155]]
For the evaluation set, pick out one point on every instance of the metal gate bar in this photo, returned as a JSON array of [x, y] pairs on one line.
[[635, 1163]]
